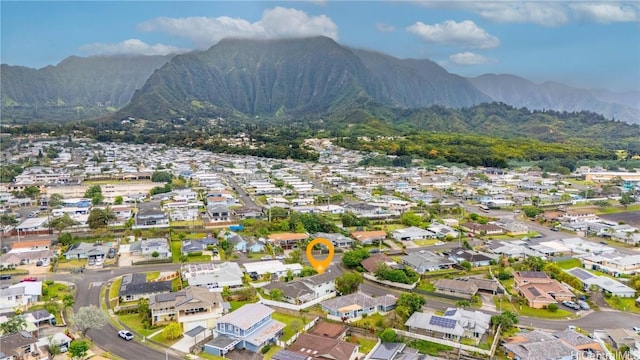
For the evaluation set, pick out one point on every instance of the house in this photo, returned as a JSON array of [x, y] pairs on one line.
[[39, 317], [289, 355], [331, 330], [20, 295], [218, 212], [196, 246], [475, 258], [369, 237], [301, 291], [150, 216], [190, 307], [338, 240], [396, 351], [605, 284], [274, 267], [457, 288], [85, 250], [148, 247], [31, 245], [213, 276], [249, 327], [135, 287], [372, 263], [423, 261], [453, 324], [320, 348], [24, 257], [613, 263], [536, 344], [411, 234], [482, 229], [288, 241], [356, 305], [18, 346], [621, 336], [442, 231], [540, 290]]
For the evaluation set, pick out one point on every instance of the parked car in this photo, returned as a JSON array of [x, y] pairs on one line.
[[571, 304], [64, 349], [112, 253], [555, 229], [5, 276], [39, 263], [279, 257], [125, 334], [636, 328], [266, 257], [583, 305], [99, 262], [91, 262], [30, 278]]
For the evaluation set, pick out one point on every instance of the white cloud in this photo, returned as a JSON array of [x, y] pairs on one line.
[[278, 22], [606, 12], [464, 34], [132, 47], [546, 13], [385, 27], [468, 58]]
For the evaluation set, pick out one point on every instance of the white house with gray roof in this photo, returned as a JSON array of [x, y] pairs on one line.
[[213, 276], [411, 234], [453, 324], [423, 261]]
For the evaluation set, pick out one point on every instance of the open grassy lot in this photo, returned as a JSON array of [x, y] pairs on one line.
[[238, 304], [114, 290], [365, 344], [70, 264], [376, 321], [152, 275], [159, 337], [426, 242]]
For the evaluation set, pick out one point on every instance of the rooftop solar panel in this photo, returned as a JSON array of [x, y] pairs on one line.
[[442, 322], [450, 312], [581, 274], [534, 291]]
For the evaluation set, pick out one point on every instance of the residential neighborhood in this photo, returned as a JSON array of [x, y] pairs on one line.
[[205, 255]]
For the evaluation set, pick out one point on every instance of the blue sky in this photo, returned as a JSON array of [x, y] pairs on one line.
[[584, 44]]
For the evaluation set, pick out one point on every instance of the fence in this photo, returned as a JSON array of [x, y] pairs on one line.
[[390, 283], [285, 305], [453, 344], [308, 326]]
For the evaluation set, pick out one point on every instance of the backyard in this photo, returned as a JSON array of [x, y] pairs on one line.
[[132, 321], [623, 304], [525, 310], [294, 324]]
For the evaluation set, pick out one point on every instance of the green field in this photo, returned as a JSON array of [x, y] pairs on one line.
[[288, 331], [132, 321], [525, 310], [623, 304], [569, 263], [429, 348]]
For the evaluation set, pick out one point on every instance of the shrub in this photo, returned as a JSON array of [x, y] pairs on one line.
[[552, 307], [265, 349]]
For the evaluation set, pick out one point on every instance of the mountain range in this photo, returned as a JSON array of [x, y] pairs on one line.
[[274, 78]]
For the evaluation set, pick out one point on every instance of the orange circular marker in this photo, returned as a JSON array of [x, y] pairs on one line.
[[320, 265]]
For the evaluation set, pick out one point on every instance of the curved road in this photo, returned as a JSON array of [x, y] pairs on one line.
[[88, 293]]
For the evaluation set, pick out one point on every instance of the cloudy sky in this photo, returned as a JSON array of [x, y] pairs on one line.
[[584, 44]]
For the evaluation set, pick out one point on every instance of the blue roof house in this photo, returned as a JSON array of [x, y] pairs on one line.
[[250, 327]]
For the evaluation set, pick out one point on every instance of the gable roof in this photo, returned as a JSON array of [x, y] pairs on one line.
[[369, 235], [372, 262], [360, 300], [320, 347], [246, 316], [327, 329], [135, 284], [463, 287]]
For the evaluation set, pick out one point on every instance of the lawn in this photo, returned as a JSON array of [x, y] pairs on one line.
[[617, 209], [161, 339], [114, 290], [569, 263], [238, 304], [56, 291], [525, 310], [376, 320], [69, 264], [426, 242], [426, 285], [365, 344], [623, 304], [153, 275], [288, 331], [132, 321], [428, 347], [176, 251], [199, 258], [272, 351], [186, 223]]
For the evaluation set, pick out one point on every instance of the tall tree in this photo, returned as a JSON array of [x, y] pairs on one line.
[[78, 349], [626, 199], [89, 317], [62, 222], [13, 325], [349, 282], [95, 194], [100, 218]]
